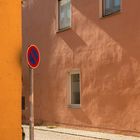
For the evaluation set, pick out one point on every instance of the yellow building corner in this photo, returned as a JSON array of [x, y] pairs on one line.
[[10, 70]]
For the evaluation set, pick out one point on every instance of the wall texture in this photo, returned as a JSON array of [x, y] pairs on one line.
[[106, 50], [10, 70]]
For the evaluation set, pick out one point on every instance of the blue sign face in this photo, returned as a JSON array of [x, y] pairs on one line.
[[33, 56]]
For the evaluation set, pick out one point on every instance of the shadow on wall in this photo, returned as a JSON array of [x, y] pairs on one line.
[[19, 58], [123, 27], [72, 39]]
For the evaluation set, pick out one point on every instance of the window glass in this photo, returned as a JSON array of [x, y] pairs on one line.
[[75, 89], [64, 14], [111, 6], [116, 5], [117, 2], [107, 4]]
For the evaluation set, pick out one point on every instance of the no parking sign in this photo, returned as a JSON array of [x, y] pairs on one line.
[[33, 60], [33, 56]]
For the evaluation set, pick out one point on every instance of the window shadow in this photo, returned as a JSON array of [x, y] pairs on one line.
[[123, 27], [72, 40]]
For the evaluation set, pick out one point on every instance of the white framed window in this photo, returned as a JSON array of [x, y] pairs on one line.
[[111, 7], [74, 88], [64, 14]]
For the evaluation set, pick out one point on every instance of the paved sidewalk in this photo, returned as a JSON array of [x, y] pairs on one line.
[[48, 135], [85, 134]]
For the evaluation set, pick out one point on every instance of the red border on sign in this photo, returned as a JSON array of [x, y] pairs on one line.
[[27, 54]]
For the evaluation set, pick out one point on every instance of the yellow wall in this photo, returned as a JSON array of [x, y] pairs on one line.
[[10, 70]]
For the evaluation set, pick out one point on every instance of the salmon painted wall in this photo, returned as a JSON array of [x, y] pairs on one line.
[[106, 50], [10, 70]]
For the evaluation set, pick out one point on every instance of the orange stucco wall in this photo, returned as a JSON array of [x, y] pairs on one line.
[[10, 70], [107, 52]]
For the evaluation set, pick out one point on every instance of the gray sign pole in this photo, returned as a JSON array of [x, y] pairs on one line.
[[31, 104], [33, 59]]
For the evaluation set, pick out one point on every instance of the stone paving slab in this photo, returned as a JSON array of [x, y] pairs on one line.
[[87, 134]]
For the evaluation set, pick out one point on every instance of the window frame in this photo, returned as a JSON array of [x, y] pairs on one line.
[[69, 88], [58, 17], [103, 8]]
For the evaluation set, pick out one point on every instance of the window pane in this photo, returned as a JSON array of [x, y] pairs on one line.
[[75, 89], [107, 4], [111, 6], [117, 3], [65, 13]]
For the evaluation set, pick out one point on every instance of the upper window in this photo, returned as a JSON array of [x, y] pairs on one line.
[[64, 14], [111, 6]]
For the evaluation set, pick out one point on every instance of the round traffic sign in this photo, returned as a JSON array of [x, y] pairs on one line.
[[33, 56]]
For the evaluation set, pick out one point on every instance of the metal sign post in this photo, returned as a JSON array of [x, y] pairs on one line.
[[31, 104], [33, 59]]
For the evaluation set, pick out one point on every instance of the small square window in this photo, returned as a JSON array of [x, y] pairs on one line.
[[111, 6], [74, 88], [64, 14]]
